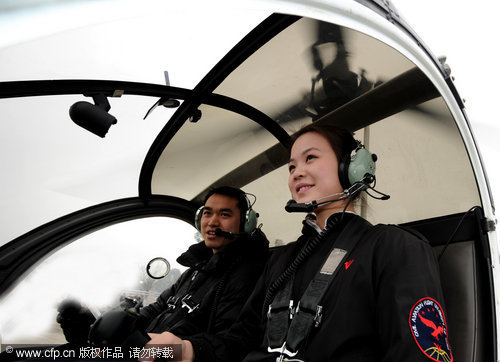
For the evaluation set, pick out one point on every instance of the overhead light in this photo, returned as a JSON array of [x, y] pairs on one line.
[[94, 118]]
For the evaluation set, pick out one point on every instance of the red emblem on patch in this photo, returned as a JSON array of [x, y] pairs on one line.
[[348, 264], [428, 326]]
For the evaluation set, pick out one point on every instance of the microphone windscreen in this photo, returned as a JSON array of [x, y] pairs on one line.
[[225, 234], [293, 206]]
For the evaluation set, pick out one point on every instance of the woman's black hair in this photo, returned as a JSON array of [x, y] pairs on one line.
[[341, 140]]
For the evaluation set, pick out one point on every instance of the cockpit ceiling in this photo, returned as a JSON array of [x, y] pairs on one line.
[[315, 71]]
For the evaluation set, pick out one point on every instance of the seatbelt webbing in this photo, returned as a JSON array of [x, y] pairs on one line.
[[279, 315], [286, 338]]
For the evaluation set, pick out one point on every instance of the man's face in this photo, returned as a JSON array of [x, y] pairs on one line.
[[220, 211]]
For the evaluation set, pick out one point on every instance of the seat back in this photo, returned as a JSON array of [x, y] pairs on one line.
[[466, 279], [463, 292]]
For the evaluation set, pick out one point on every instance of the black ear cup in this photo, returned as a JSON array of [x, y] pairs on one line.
[[344, 171]]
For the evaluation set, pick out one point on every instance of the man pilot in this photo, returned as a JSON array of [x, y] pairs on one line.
[[208, 296]]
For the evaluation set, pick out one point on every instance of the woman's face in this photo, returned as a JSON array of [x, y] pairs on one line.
[[313, 168]]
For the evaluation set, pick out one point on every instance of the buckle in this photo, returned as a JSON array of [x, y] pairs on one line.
[[188, 303], [291, 310], [318, 316], [172, 302], [282, 351], [297, 309]]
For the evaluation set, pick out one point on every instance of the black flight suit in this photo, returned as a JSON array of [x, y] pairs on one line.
[[383, 305], [214, 288]]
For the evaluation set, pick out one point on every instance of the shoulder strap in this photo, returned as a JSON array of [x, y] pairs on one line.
[[195, 290], [195, 283], [308, 312]]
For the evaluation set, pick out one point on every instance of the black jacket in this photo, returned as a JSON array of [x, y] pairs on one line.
[[215, 287], [385, 304]]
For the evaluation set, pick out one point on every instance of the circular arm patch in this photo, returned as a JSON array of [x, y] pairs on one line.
[[428, 326]]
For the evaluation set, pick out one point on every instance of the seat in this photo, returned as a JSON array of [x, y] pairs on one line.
[[464, 293], [466, 279]]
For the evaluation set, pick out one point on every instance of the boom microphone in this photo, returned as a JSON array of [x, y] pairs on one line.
[[293, 206], [227, 234]]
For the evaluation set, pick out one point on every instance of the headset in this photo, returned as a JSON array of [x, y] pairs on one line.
[[356, 174], [248, 221], [357, 167]]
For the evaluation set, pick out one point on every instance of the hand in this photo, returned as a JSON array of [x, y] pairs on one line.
[[75, 321], [169, 338]]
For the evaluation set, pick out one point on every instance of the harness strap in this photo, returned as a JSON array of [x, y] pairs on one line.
[[279, 314], [174, 301], [287, 337], [190, 295], [183, 303]]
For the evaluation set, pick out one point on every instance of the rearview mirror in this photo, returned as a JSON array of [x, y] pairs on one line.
[[158, 268]]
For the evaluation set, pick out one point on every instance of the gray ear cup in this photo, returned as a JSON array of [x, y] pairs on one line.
[[251, 221], [362, 163], [353, 168], [197, 218]]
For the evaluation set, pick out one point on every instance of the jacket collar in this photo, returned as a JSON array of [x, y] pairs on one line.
[[199, 256], [310, 228]]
